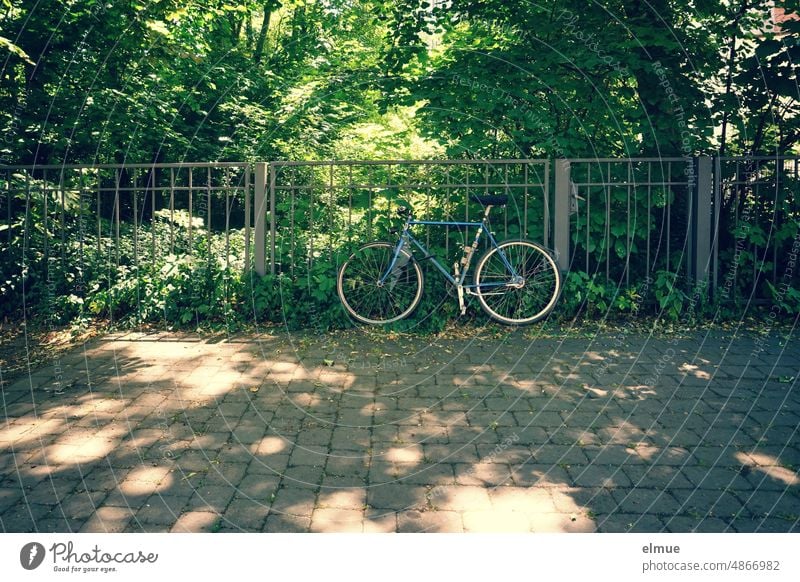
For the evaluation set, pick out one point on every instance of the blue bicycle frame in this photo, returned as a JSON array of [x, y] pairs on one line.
[[407, 239]]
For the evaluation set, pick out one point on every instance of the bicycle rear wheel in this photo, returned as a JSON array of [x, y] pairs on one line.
[[522, 301], [368, 300]]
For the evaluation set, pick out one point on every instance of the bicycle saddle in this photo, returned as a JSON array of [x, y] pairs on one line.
[[490, 200]]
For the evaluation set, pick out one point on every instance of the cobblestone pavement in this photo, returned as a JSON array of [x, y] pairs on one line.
[[382, 433]]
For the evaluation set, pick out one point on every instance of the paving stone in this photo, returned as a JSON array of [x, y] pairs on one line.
[[763, 525], [725, 505], [683, 524], [337, 520], [303, 476], [162, 510], [496, 521], [213, 498], [460, 498], [196, 522], [347, 466], [530, 500], [294, 502], [598, 476], [225, 473], [532, 474], [629, 523], [425, 474], [559, 455], [108, 519], [246, 515], [395, 496], [429, 522], [646, 501]]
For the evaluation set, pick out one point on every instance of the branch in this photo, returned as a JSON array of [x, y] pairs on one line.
[[729, 79]]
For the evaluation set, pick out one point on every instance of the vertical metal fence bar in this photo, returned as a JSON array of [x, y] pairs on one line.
[[8, 212], [209, 238], [717, 212], [524, 226], [608, 221], [153, 214], [292, 180], [589, 187], [667, 209], [466, 195], [45, 221], [81, 235], [191, 210], [546, 202], [507, 192], [135, 196], [628, 226], [63, 220], [756, 197], [226, 183], [310, 251], [332, 205], [118, 177], [447, 193], [649, 213], [99, 184], [172, 211], [349, 204], [776, 220], [26, 224]]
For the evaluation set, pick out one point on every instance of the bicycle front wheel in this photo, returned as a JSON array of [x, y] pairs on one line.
[[375, 291], [523, 299]]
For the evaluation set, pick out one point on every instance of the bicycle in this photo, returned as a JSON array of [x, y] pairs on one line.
[[516, 281]]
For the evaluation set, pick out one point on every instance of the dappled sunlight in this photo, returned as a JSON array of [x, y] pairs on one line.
[[770, 466], [337, 520], [693, 370], [621, 432], [270, 445], [638, 391], [147, 480], [409, 454], [277, 444]]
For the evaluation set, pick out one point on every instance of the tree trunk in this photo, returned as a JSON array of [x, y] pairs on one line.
[[262, 35]]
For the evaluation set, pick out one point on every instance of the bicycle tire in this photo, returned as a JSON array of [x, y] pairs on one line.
[[365, 300], [539, 290]]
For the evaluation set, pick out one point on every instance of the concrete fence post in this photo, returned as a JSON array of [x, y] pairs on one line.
[[561, 235], [260, 203]]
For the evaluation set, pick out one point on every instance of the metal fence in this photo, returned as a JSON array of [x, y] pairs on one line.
[[317, 208], [131, 213], [728, 224]]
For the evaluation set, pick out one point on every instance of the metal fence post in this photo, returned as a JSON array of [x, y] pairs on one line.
[[260, 203], [561, 234], [700, 241]]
